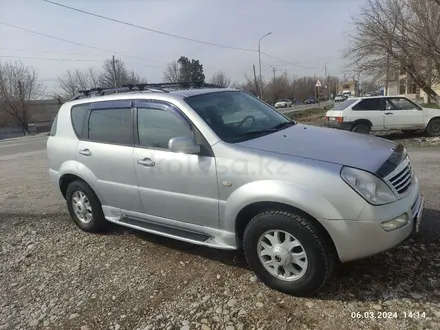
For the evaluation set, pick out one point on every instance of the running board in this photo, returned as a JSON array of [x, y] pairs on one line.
[[172, 232], [164, 230]]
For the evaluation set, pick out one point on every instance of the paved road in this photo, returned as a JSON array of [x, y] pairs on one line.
[[12, 148]]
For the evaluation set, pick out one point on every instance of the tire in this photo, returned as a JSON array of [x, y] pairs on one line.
[[361, 129], [433, 128], [319, 252], [93, 219]]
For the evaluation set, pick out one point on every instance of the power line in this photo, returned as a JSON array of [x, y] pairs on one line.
[[46, 52], [50, 59], [149, 29], [291, 63], [80, 44]]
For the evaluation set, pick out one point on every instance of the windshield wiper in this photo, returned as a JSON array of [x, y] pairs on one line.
[[283, 125], [252, 134], [256, 133]]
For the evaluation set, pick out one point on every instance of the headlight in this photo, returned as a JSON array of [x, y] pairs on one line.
[[369, 186]]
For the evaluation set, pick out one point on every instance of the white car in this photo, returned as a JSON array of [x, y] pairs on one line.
[[382, 113], [339, 98], [283, 104]]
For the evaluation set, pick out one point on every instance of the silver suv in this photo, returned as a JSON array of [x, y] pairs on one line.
[[219, 168]]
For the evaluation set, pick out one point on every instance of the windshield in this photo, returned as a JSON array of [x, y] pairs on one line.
[[237, 116], [345, 104]]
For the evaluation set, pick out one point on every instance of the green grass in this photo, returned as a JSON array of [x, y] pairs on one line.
[[430, 105]]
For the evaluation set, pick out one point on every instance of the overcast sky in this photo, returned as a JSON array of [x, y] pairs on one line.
[[304, 32]]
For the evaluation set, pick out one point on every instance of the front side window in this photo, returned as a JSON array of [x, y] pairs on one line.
[[369, 105], [156, 126], [237, 116], [401, 104], [53, 128], [111, 126]]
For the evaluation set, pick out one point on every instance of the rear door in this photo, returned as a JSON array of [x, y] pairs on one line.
[[372, 110], [105, 153], [401, 113]]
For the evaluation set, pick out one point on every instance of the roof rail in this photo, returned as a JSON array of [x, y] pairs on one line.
[[152, 87]]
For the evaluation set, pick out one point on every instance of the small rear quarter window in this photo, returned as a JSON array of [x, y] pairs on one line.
[[53, 128], [78, 114]]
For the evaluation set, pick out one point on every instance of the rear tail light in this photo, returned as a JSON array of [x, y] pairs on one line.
[[337, 119]]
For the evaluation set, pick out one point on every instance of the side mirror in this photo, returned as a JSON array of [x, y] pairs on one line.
[[183, 144]]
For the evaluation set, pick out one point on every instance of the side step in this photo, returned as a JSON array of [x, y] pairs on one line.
[[168, 231]]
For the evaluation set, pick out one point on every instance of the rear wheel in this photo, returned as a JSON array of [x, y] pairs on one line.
[[361, 129], [84, 207], [288, 252], [433, 128]]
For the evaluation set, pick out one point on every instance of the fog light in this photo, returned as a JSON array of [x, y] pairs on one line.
[[395, 223]]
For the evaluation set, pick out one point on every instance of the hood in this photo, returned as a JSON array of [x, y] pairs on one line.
[[327, 144]]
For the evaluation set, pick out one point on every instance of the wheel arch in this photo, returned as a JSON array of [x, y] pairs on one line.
[[68, 177], [249, 211], [362, 121]]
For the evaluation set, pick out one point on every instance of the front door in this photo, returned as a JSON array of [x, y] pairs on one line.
[[105, 152], [172, 185], [401, 113]]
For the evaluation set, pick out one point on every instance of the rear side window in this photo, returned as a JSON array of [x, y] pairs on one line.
[[344, 105], [78, 114], [111, 126], [369, 105], [53, 128]]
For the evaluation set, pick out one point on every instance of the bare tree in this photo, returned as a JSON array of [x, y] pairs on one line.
[[398, 35], [115, 74], [73, 81], [172, 73], [18, 84], [220, 79]]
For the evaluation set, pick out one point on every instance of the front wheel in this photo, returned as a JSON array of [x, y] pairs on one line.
[[433, 128], [288, 252]]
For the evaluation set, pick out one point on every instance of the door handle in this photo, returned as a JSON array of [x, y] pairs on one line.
[[148, 162], [85, 152], [388, 113]]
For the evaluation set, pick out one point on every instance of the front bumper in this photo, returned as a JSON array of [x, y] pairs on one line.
[[356, 239]]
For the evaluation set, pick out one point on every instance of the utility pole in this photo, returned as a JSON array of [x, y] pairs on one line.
[[23, 107], [274, 77], [256, 84], [114, 71], [259, 57]]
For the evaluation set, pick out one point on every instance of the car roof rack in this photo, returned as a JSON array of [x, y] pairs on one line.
[[151, 87]]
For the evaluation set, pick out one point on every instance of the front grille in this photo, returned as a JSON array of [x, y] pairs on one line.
[[402, 180]]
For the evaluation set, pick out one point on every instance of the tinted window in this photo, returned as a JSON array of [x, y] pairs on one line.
[[111, 126], [79, 113], [53, 128], [157, 126], [344, 105], [369, 105], [401, 104]]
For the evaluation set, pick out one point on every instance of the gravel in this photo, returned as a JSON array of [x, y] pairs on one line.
[[54, 276]]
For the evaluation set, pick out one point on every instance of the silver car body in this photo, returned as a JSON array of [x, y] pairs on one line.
[[203, 196]]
